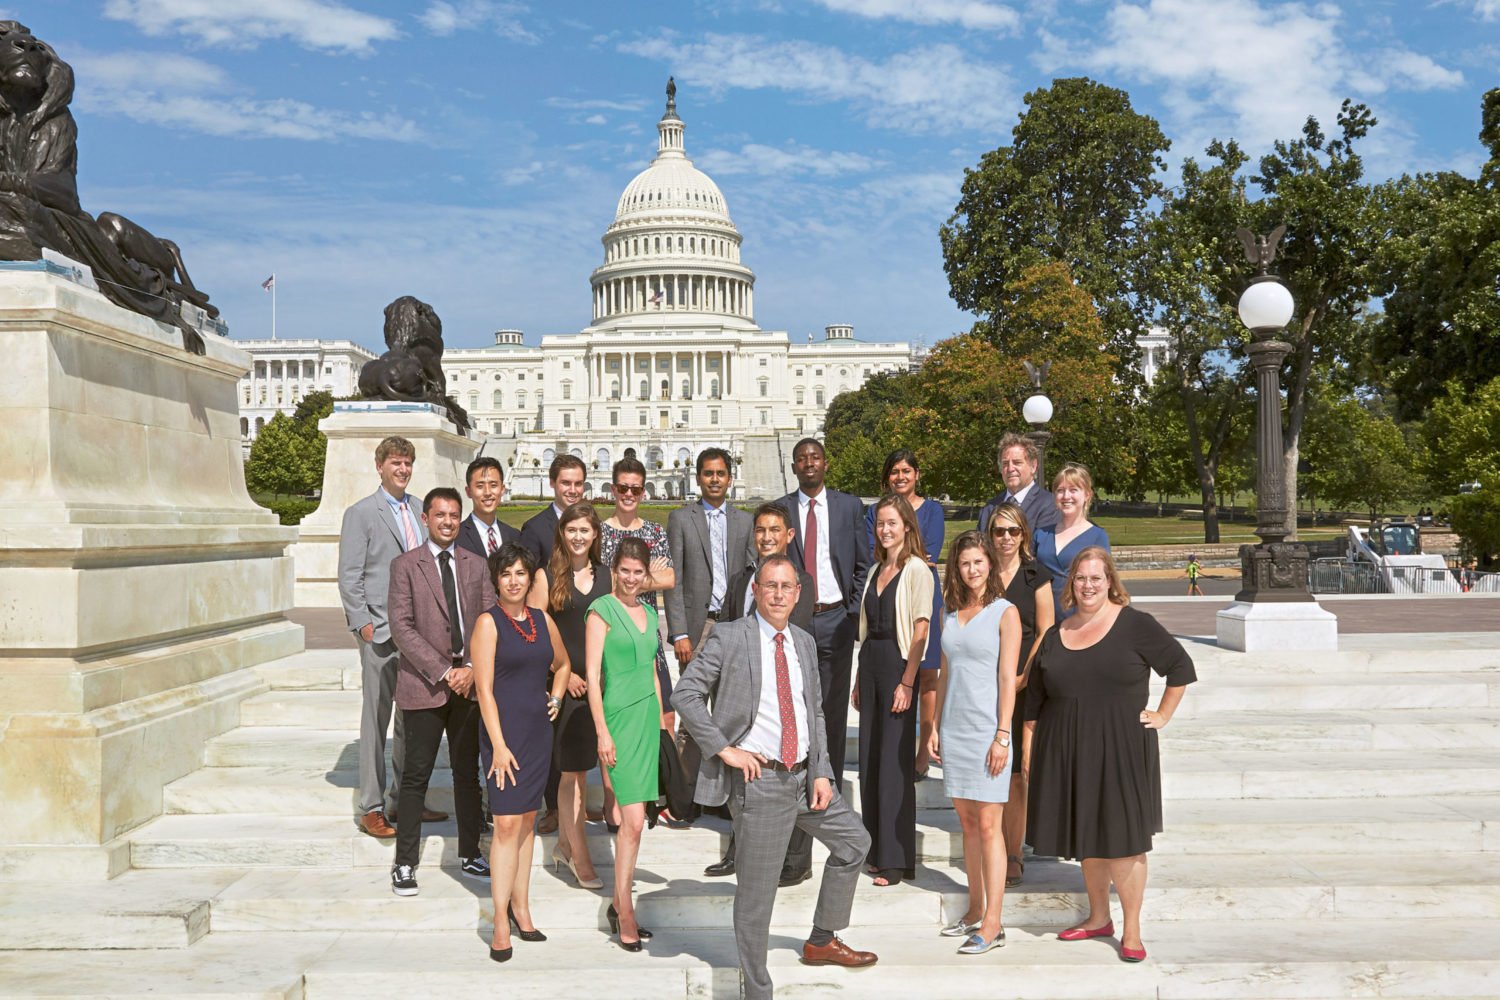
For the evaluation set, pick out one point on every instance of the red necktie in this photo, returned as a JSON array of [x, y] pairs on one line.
[[494, 542], [810, 546], [784, 702]]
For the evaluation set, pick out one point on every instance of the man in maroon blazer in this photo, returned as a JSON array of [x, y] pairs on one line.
[[437, 591]]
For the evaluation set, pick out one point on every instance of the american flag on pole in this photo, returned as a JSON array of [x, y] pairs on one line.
[[269, 283], [656, 296]]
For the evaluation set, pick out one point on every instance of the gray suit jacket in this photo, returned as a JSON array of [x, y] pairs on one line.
[[1040, 508], [369, 539], [719, 693], [692, 558]]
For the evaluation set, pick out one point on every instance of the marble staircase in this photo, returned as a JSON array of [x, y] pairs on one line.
[[1333, 830]]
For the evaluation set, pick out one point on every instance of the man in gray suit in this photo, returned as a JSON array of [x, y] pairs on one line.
[[752, 700], [375, 531], [709, 541], [1018, 459]]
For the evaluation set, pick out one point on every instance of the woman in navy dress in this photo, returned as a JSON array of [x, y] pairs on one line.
[[1057, 547], [900, 476], [513, 648]]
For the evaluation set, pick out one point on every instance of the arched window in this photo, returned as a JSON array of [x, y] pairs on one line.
[[684, 456], [765, 386], [260, 423], [548, 455], [687, 389], [601, 458], [645, 392], [244, 426], [692, 244], [713, 388], [498, 399]]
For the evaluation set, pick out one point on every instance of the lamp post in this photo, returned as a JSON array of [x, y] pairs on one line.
[[1036, 411]]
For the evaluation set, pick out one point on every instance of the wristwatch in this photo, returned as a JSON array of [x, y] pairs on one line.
[[553, 701], [1004, 741]]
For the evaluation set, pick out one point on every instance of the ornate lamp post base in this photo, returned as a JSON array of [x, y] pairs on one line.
[[1274, 571]]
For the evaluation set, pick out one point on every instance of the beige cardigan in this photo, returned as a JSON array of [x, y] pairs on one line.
[[913, 601]]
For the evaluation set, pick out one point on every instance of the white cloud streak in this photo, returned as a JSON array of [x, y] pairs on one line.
[[973, 14], [446, 17], [937, 88], [773, 161], [243, 24]]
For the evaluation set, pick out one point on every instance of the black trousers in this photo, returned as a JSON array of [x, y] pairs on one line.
[[425, 727], [835, 633]]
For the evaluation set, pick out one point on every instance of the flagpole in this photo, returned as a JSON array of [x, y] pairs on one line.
[[273, 305]]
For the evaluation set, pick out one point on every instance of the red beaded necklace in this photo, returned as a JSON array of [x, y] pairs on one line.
[[529, 621]]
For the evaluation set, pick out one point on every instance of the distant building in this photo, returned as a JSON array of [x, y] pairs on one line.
[[1156, 352], [286, 370]]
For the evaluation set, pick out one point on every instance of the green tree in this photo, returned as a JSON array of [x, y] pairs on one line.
[[1462, 433], [856, 431], [1358, 458], [1074, 186], [1163, 465], [313, 408], [1438, 269], [278, 463], [1476, 519]]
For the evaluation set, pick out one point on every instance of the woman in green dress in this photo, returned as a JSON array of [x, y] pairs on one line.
[[625, 699]]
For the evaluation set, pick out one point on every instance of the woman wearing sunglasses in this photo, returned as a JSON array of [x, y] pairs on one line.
[[1028, 586]]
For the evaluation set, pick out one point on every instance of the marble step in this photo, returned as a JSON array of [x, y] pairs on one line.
[[312, 670], [1187, 888], [1457, 823], [1369, 653], [1338, 692], [136, 910]]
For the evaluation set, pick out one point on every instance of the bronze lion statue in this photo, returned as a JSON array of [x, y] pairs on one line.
[[412, 368]]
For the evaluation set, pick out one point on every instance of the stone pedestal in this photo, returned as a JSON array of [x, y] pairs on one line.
[[353, 430], [1266, 626], [138, 577]]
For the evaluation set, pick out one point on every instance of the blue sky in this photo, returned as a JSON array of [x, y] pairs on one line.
[[471, 152]]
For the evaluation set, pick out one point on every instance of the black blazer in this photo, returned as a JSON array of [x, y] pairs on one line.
[[739, 585], [841, 527], [468, 536], [537, 534]]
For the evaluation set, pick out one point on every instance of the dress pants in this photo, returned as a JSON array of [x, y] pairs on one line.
[[766, 811], [425, 727], [835, 633], [377, 662]]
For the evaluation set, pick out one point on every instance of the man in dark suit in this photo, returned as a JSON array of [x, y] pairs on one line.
[[709, 541], [437, 591], [482, 533], [1018, 464], [773, 533], [567, 474], [750, 699], [375, 531], [829, 543]]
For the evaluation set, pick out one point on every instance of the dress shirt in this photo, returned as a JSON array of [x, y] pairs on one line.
[[484, 533], [764, 737], [1019, 498], [718, 554], [452, 551], [829, 591], [401, 511]]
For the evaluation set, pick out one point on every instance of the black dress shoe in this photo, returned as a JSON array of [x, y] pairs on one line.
[[720, 868], [794, 878]]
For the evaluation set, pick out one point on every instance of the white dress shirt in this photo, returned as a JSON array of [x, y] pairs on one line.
[[484, 534], [764, 737], [829, 591], [1019, 498], [452, 551]]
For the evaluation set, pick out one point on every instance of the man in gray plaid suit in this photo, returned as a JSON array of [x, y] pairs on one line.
[[765, 752]]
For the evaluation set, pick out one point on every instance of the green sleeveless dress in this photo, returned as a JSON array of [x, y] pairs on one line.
[[631, 710]]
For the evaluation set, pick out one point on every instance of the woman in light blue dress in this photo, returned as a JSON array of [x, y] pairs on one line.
[[976, 698], [1058, 546]]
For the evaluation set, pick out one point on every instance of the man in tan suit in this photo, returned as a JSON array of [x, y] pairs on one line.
[[437, 591]]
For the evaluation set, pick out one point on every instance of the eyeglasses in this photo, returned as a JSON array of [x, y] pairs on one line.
[[631, 491], [999, 530]]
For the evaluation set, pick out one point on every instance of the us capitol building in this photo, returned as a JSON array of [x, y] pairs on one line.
[[672, 363]]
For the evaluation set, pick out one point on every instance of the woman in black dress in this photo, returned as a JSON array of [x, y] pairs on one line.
[[1029, 587], [893, 616], [513, 647], [1096, 766], [572, 580]]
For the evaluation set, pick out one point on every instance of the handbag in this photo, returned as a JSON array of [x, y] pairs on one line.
[[675, 782]]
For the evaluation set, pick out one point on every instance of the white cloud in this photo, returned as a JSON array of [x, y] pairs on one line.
[[1414, 71], [774, 161], [933, 88], [1488, 10], [181, 92], [596, 120], [974, 14], [580, 104], [445, 17], [313, 24]]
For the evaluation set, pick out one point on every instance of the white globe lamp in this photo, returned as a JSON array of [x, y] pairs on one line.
[[1266, 305], [1037, 410]]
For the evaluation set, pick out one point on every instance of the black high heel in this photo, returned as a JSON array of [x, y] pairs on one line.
[[614, 928], [501, 954], [515, 928]]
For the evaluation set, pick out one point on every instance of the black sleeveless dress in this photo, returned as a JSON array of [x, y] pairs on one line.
[[577, 745]]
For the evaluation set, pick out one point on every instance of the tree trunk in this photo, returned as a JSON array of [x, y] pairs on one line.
[[1210, 508]]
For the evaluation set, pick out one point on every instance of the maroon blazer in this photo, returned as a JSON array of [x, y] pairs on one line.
[[419, 620]]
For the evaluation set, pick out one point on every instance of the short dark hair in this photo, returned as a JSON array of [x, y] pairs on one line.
[[441, 493], [809, 441], [507, 556], [708, 455], [482, 462], [779, 559], [627, 464], [562, 462], [773, 510]]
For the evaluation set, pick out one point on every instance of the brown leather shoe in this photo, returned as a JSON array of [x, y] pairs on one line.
[[548, 823], [374, 823], [836, 952], [432, 815]]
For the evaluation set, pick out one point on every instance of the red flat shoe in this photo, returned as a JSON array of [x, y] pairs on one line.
[[1083, 934], [1132, 954]]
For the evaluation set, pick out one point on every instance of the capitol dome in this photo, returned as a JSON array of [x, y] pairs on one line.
[[672, 246]]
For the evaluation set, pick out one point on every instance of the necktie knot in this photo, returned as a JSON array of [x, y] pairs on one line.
[[780, 639], [445, 557]]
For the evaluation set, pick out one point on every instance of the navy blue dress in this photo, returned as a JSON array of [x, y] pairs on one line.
[[521, 670]]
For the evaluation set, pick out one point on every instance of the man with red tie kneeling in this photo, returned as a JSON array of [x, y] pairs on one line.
[[752, 702]]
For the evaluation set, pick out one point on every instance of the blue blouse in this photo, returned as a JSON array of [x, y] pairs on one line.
[[1057, 563]]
